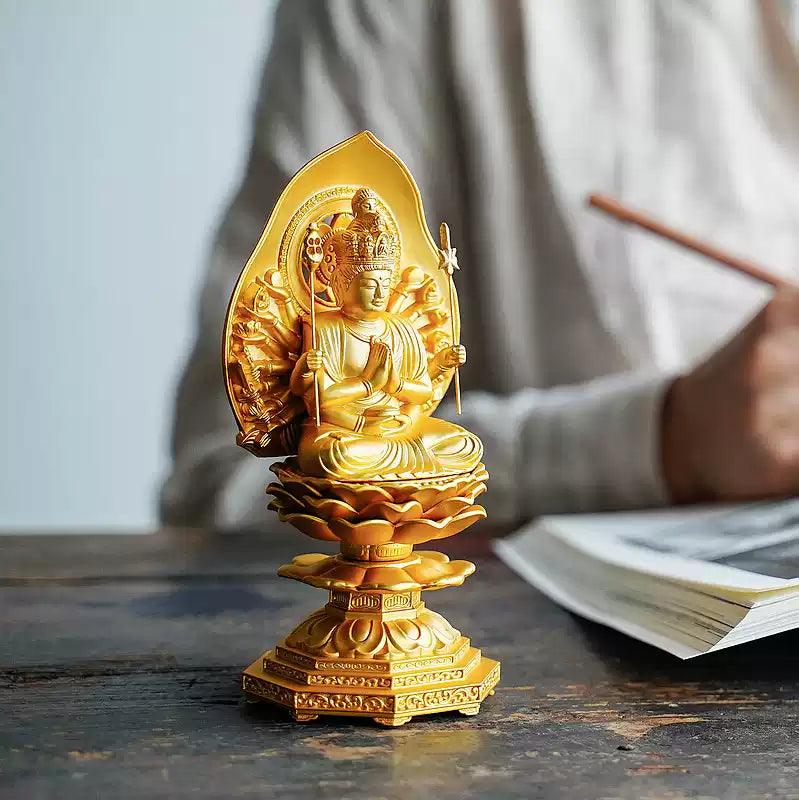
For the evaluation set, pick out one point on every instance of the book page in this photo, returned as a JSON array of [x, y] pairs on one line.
[[748, 548]]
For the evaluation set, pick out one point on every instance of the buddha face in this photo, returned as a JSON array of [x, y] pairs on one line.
[[364, 203], [367, 295]]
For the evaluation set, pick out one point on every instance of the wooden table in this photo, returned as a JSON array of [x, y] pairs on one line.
[[119, 663]]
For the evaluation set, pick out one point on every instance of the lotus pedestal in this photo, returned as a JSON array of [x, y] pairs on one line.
[[375, 650]]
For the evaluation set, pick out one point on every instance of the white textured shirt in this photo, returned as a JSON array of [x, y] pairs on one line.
[[508, 114]]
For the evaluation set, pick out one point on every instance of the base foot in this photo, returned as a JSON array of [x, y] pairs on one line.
[[304, 717], [392, 722]]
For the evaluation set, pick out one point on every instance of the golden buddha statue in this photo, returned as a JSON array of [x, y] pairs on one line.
[[372, 368], [341, 339]]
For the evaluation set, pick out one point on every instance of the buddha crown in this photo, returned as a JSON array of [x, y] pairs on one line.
[[366, 244]]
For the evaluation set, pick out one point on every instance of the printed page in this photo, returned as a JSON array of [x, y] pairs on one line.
[[752, 548]]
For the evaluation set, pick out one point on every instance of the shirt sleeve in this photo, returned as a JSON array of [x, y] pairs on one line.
[[589, 447]]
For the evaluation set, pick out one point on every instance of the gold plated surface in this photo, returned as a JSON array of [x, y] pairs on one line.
[[268, 320], [341, 339], [371, 514]]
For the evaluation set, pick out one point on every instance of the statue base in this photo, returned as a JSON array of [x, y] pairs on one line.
[[375, 650], [373, 654]]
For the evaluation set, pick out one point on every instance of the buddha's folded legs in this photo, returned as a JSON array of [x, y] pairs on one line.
[[453, 447], [431, 447]]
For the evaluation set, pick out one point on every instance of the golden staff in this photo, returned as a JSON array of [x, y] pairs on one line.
[[448, 261], [313, 258]]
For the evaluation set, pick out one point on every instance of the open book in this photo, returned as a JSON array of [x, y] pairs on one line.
[[687, 581]]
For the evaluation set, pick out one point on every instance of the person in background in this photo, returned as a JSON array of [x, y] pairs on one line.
[[606, 369]]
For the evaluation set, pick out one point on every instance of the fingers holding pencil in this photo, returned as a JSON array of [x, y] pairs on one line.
[[730, 425]]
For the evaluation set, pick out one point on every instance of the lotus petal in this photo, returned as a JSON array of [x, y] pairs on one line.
[[448, 508], [425, 530], [463, 520], [314, 632], [329, 508], [326, 572], [310, 559], [472, 490], [460, 522], [431, 496], [433, 555], [365, 637], [284, 499], [370, 531], [431, 574], [318, 635], [300, 489], [432, 570], [299, 486], [438, 626], [408, 635], [479, 473], [310, 526], [393, 512], [343, 575], [361, 495], [395, 579]]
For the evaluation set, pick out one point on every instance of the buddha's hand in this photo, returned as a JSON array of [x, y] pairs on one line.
[[314, 360], [451, 357], [379, 365], [394, 382]]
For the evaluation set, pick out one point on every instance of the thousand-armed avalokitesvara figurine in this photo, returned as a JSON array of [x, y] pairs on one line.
[[341, 339]]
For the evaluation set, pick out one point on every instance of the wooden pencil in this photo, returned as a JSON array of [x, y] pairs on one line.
[[632, 217]]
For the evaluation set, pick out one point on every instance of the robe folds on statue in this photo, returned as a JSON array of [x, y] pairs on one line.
[[379, 436]]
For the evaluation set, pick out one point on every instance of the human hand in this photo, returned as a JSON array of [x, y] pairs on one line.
[[314, 360], [452, 357], [730, 427]]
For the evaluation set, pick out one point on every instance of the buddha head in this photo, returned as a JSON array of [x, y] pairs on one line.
[[364, 258], [364, 205], [368, 293]]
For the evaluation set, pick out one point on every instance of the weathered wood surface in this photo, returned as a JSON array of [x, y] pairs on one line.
[[119, 662]]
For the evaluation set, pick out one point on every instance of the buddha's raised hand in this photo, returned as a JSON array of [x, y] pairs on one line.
[[314, 360], [379, 365], [394, 382], [451, 357]]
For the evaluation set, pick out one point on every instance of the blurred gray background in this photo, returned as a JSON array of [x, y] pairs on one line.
[[124, 129]]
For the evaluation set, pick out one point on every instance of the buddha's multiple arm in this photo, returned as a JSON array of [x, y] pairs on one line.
[[381, 373], [331, 393], [447, 359], [334, 396], [408, 392]]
